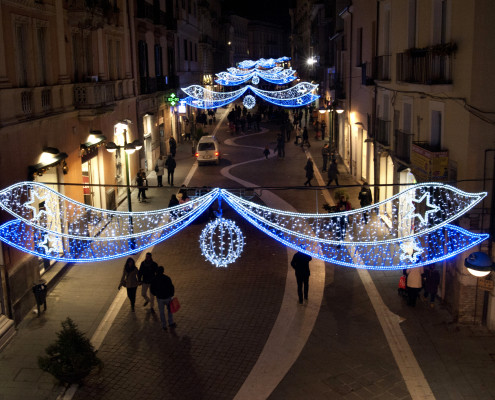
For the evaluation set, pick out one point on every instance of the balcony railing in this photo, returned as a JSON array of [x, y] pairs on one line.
[[94, 94], [381, 66], [383, 131], [427, 66], [429, 163], [147, 85], [403, 142], [366, 74]]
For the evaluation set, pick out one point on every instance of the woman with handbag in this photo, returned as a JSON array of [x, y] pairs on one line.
[[130, 280]]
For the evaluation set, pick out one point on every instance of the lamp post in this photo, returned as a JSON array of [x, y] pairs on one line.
[[480, 265], [129, 148]]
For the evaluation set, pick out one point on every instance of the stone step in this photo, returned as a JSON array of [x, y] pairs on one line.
[[7, 330]]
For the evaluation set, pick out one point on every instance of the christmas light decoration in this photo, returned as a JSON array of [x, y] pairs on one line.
[[249, 102], [296, 96], [409, 229], [221, 242], [277, 75]]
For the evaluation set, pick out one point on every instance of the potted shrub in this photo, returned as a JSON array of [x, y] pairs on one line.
[[72, 357]]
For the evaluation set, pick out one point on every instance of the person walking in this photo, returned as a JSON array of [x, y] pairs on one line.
[[141, 184], [342, 206], [174, 201], [170, 164], [309, 172], [159, 169], [305, 137], [365, 199], [432, 280], [300, 263], [414, 283], [333, 172], [130, 280], [325, 153], [281, 145], [163, 289], [146, 274], [266, 152], [172, 145]]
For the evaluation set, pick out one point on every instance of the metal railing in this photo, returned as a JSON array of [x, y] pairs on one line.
[[425, 67]]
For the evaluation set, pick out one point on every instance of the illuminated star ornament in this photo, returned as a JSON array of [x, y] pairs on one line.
[[301, 94], [392, 238]]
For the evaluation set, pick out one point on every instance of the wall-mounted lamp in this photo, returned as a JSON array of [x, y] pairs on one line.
[[479, 264]]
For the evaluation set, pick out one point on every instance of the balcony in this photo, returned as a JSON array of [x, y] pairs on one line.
[[381, 68], [383, 132], [403, 141], [429, 164], [145, 10], [366, 74], [147, 85], [94, 95], [427, 66]]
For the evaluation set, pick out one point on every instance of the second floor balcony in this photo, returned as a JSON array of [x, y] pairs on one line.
[[427, 66], [402, 145], [383, 131], [381, 68]]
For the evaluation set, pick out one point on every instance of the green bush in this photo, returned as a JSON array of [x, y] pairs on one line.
[[72, 357]]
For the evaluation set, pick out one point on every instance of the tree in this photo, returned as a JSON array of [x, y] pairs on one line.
[[72, 357]]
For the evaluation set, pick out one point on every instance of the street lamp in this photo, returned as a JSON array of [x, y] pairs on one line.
[[479, 264], [129, 148]]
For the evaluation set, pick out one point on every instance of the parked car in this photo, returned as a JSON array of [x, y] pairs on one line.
[[208, 150]]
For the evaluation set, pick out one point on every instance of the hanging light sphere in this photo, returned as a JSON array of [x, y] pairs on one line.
[[255, 80], [221, 242], [249, 102]]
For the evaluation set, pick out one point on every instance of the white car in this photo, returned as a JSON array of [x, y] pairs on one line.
[[208, 150]]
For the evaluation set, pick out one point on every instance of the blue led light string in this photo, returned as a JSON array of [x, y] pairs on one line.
[[76, 219], [451, 201]]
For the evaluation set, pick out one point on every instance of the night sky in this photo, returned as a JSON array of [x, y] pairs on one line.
[[276, 11]]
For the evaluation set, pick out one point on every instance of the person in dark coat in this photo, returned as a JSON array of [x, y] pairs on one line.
[[141, 184], [130, 280], [163, 289], [170, 165], [174, 201], [146, 274], [325, 153], [173, 145], [309, 172], [300, 263], [365, 199], [432, 280], [305, 137], [333, 173]]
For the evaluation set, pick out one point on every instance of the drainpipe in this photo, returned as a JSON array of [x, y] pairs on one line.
[[350, 92], [374, 117]]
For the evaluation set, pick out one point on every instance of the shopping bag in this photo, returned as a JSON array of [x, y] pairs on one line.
[[402, 282], [174, 305]]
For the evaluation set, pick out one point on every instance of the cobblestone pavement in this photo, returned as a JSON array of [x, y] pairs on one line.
[[227, 315]]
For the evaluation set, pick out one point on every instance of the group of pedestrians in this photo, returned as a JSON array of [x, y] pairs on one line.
[[420, 278], [153, 282], [169, 164]]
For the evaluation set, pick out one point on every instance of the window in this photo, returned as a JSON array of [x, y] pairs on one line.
[[41, 42], [190, 51], [411, 34], [76, 55], [436, 129], [111, 61], [158, 60], [22, 75], [189, 6], [185, 49], [195, 52], [439, 21], [359, 47], [118, 59], [143, 59]]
